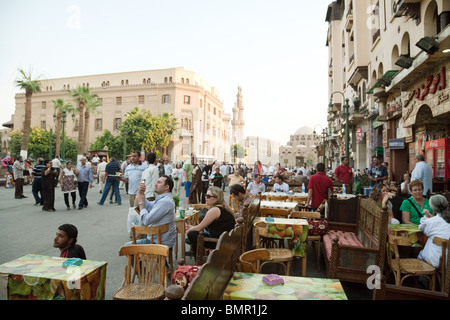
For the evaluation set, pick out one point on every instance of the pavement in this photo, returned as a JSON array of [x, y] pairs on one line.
[[102, 230]]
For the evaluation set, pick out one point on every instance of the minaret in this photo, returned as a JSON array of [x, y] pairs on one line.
[[238, 122]]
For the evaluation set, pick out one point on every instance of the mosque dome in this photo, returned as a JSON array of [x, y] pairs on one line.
[[304, 131]]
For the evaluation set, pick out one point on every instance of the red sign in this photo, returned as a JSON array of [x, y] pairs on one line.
[[432, 85], [359, 134]]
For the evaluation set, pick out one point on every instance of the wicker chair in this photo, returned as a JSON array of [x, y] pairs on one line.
[[408, 266], [252, 261], [442, 262], [147, 262]]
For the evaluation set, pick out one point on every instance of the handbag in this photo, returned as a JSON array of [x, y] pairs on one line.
[[412, 203]]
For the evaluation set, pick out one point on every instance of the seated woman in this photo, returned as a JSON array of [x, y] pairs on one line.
[[413, 208], [380, 194], [218, 219], [437, 225]]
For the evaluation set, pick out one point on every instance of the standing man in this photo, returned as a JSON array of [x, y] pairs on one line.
[[377, 172], [167, 168], [150, 176], [423, 172], [305, 171], [56, 166], [101, 174], [187, 173], [85, 181], [36, 188], [18, 168], [123, 167], [224, 173], [344, 172], [318, 187], [111, 182], [133, 175]]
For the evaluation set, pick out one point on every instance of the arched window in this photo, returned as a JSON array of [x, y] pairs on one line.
[[187, 81], [394, 57], [182, 80], [431, 21], [165, 80]]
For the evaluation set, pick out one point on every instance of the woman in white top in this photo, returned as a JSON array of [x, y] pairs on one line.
[[67, 180], [177, 179], [437, 225]]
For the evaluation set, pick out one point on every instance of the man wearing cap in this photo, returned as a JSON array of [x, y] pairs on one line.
[[66, 242]]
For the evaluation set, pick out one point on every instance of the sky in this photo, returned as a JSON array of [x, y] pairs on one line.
[[274, 49]]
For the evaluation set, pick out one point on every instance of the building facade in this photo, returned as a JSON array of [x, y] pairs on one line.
[[301, 148], [390, 59], [204, 126]]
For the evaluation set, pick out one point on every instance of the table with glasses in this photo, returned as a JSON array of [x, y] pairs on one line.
[[39, 277], [418, 239], [250, 286], [189, 217]]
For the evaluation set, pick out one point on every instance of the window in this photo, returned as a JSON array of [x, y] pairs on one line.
[[117, 123], [118, 101], [44, 104], [166, 98], [141, 99], [201, 103], [165, 80], [98, 124], [187, 100], [43, 124]]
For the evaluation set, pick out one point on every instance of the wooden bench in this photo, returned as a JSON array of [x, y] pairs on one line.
[[342, 211], [351, 248], [214, 276]]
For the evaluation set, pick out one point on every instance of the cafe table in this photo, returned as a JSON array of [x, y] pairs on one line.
[[250, 286], [279, 204], [189, 217], [39, 277], [295, 230], [412, 230], [344, 196]]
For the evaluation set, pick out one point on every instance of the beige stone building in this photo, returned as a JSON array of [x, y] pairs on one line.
[[301, 148], [261, 149], [204, 124], [382, 57]]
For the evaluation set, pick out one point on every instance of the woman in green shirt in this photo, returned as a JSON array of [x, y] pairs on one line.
[[416, 206]]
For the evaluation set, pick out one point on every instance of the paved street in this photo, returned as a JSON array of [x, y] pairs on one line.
[[25, 229]]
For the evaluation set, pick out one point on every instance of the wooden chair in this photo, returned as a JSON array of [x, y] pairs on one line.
[[147, 262], [252, 261], [316, 239], [300, 200], [278, 198], [152, 231], [282, 255], [201, 206], [234, 203], [442, 262], [274, 213], [408, 266]]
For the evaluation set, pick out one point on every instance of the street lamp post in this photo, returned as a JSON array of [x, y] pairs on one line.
[[346, 114], [324, 134], [63, 147]]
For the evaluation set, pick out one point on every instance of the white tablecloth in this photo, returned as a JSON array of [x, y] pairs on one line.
[[279, 204]]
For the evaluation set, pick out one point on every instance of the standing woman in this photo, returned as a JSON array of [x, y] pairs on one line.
[[67, 180], [176, 180], [48, 186]]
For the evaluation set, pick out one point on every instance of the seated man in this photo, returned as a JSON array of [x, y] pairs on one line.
[[243, 197], [256, 186], [280, 185], [158, 212], [66, 242]]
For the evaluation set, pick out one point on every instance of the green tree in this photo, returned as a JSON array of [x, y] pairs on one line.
[[60, 105], [30, 86], [92, 103], [238, 151], [15, 143], [82, 96], [114, 144]]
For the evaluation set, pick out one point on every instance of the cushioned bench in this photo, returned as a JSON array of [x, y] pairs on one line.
[[350, 250]]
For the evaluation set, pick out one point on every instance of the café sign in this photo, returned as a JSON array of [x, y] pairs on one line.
[[398, 144]]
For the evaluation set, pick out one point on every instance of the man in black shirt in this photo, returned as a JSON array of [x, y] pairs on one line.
[[36, 188], [66, 242], [111, 182]]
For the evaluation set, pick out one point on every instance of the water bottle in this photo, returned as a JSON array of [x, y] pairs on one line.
[[343, 189], [303, 188], [181, 209]]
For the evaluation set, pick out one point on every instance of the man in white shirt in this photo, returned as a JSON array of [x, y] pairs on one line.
[[280, 185], [101, 174], [305, 171], [256, 186], [423, 172], [168, 168], [56, 164], [150, 176], [224, 173]]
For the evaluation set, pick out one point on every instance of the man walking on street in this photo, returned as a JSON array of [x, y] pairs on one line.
[[18, 168], [133, 175], [423, 172], [111, 168], [150, 176], [36, 188], [85, 181]]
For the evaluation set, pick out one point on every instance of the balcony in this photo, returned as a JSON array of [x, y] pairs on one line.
[[349, 21]]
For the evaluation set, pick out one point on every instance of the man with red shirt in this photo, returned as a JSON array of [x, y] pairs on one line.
[[344, 172], [318, 187]]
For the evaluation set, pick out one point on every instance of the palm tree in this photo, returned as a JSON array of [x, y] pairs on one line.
[[81, 95], [25, 82], [91, 107], [60, 105]]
